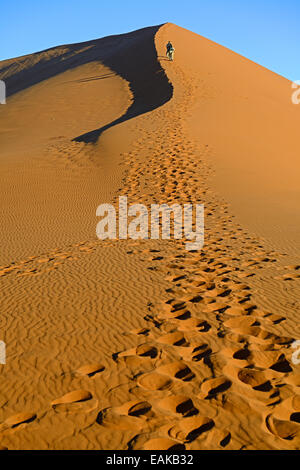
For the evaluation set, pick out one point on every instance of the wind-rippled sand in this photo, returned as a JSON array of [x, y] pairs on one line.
[[140, 344]]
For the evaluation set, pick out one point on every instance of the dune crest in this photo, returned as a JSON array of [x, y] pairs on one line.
[[140, 344]]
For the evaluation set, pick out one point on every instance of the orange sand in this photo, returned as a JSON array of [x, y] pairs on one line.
[[142, 344]]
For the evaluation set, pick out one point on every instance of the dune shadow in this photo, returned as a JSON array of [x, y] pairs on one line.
[[132, 56], [137, 62]]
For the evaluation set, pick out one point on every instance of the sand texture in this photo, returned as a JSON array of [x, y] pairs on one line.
[[141, 344]]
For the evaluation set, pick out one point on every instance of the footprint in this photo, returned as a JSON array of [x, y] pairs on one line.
[[293, 379], [249, 377], [78, 400], [195, 353], [261, 335], [178, 404], [269, 360], [238, 356], [72, 397], [193, 324], [140, 331], [212, 387], [215, 307], [175, 339], [134, 408], [241, 323], [143, 350], [289, 409], [108, 418], [178, 370], [250, 326], [236, 311], [219, 437], [90, 369], [154, 381], [170, 312], [217, 292], [16, 420], [272, 318], [188, 429], [280, 428]]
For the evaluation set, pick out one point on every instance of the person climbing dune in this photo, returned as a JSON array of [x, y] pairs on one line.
[[170, 50]]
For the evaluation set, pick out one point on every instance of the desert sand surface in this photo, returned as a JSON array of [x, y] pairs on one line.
[[141, 344]]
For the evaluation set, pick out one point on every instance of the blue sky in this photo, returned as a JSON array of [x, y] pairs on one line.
[[266, 31]]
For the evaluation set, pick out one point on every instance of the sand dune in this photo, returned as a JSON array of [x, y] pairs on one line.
[[140, 344]]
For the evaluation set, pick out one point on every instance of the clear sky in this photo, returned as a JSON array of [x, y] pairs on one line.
[[266, 31]]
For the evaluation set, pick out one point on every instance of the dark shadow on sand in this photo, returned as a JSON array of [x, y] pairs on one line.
[[132, 56]]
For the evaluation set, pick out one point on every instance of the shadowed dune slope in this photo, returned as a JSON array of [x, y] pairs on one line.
[[132, 56], [59, 100]]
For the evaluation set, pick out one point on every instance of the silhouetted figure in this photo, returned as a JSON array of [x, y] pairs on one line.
[[170, 51]]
